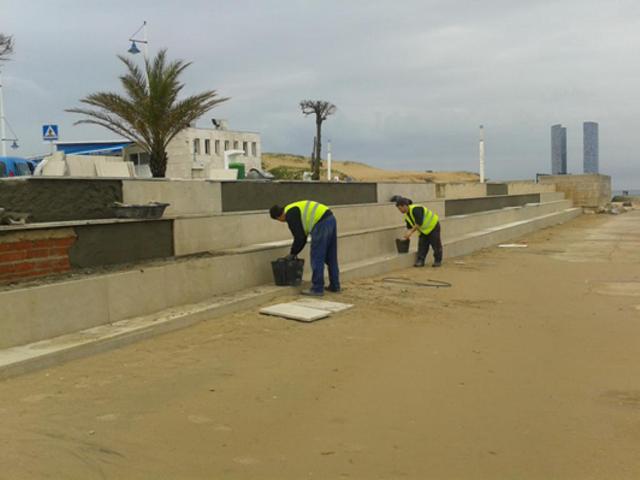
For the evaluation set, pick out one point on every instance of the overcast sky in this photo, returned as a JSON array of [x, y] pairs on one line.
[[412, 79]]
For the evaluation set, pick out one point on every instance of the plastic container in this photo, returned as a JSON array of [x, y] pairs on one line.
[[240, 167], [402, 245], [287, 272]]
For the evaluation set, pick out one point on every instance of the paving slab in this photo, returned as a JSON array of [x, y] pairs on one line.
[[295, 312], [333, 307]]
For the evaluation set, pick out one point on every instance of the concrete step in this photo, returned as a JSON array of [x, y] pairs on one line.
[[461, 224], [49, 310], [17, 360]]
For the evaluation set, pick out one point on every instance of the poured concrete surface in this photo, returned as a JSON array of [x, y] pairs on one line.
[[517, 371]]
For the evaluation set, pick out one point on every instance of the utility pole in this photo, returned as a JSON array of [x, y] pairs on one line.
[[329, 160], [481, 147]]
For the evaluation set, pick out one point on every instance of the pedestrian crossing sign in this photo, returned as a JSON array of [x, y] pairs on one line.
[[49, 133]]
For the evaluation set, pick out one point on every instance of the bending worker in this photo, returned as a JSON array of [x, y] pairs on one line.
[[308, 217], [426, 222]]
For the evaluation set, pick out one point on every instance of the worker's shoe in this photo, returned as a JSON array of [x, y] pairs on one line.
[[333, 289], [419, 263], [437, 263], [312, 293]]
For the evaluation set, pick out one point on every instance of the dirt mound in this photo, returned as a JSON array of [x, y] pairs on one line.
[[291, 167]]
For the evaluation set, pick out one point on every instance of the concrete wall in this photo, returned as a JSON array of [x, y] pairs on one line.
[[461, 190], [60, 199], [520, 187], [31, 314], [494, 189], [120, 243], [465, 206], [258, 195], [418, 192], [186, 197], [590, 190], [235, 230]]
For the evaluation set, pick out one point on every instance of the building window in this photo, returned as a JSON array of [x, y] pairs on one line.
[[235, 145], [254, 149], [216, 146], [245, 148], [226, 145], [139, 158], [196, 146], [207, 146]]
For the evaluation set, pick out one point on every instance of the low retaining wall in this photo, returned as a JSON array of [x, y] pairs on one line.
[[461, 190], [186, 197], [60, 199], [418, 192], [520, 187], [589, 190], [494, 189], [464, 206], [260, 195]]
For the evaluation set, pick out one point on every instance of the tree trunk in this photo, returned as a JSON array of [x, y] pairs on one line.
[[158, 162], [316, 167]]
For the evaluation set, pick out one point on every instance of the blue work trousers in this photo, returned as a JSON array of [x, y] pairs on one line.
[[324, 249]]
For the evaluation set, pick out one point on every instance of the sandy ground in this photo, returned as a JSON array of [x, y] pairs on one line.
[[528, 367], [366, 173]]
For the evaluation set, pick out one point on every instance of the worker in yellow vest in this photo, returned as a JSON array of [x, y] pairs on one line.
[[305, 218], [425, 221]]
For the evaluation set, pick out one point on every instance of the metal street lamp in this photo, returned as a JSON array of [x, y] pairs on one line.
[[134, 50]]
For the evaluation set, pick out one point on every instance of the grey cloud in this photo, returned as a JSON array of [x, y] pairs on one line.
[[412, 80]]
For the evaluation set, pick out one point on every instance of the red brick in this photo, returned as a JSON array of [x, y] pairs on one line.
[[13, 256], [62, 242], [16, 267], [59, 251], [42, 265], [38, 253], [46, 243], [62, 263], [12, 246]]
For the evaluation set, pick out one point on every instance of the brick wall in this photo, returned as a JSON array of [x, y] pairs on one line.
[[29, 255]]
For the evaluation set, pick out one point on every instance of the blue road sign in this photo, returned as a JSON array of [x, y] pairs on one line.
[[49, 133]]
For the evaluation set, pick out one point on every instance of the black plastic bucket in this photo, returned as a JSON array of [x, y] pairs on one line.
[[402, 245], [287, 272]]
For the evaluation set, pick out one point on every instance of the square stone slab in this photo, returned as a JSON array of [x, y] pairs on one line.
[[333, 307], [295, 312]]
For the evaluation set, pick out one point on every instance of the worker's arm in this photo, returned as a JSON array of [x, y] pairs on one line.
[[294, 221], [407, 235], [418, 215]]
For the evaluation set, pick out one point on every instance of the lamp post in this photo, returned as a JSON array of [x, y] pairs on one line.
[[133, 49], [481, 148]]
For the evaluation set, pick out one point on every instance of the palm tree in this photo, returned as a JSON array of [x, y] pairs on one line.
[[150, 113]]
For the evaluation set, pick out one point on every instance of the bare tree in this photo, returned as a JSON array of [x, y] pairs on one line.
[[322, 110], [6, 46]]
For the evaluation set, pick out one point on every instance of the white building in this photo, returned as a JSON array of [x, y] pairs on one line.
[[193, 153]]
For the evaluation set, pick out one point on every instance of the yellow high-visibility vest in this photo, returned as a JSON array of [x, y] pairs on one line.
[[429, 222], [311, 212]]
